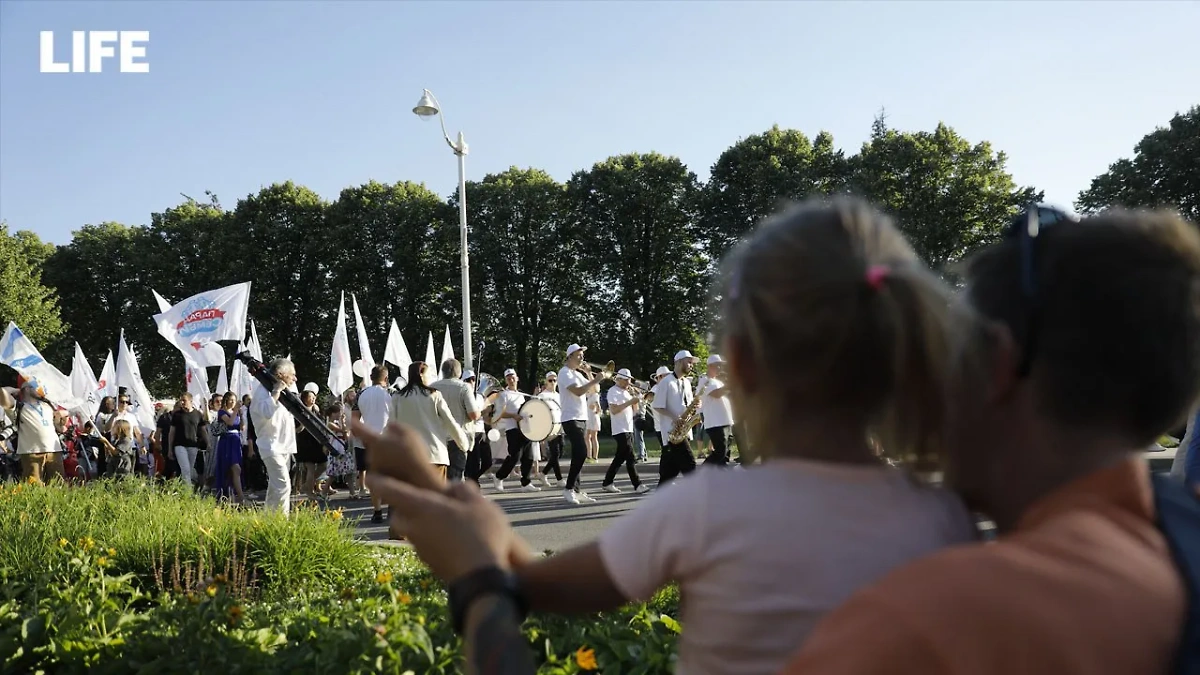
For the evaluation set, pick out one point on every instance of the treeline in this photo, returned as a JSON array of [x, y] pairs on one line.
[[618, 258]]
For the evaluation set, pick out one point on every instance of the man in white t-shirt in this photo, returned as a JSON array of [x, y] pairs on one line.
[[372, 409], [38, 448], [718, 412], [573, 388], [507, 413], [275, 432], [479, 457], [622, 400], [672, 395], [460, 398]]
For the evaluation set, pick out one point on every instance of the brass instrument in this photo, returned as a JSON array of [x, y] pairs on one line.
[[688, 419], [607, 371]]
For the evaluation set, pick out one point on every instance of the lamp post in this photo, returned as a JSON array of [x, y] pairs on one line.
[[426, 108]]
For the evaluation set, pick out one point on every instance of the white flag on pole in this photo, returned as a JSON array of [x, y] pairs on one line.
[[447, 348], [429, 352], [84, 385], [129, 376], [197, 384], [163, 304], [108, 377], [18, 353], [254, 345], [396, 352], [222, 381], [341, 377], [203, 353], [364, 347], [193, 324], [239, 379]]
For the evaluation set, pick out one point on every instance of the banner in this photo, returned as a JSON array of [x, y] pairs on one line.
[[341, 377], [129, 376], [447, 348], [18, 353], [84, 385], [108, 377], [203, 319], [396, 352], [364, 348]]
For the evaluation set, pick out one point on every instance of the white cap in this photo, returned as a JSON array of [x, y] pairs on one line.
[[684, 354], [510, 371], [624, 374], [715, 358], [551, 374], [312, 386], [662, 370], [575, 348], [468, 374]]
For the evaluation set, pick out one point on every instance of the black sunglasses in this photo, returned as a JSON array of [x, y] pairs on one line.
[[1025, 229]]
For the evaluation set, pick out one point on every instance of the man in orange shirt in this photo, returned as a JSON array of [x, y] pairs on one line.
[[1086, 353]]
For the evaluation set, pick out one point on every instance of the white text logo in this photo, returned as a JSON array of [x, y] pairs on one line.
[[89, 48]]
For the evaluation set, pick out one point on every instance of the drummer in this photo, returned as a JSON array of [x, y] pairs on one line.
[[507, 413]]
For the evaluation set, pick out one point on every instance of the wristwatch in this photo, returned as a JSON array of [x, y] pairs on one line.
[[486, 580]]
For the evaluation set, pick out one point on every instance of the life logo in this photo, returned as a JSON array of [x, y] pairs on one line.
[[6, 355], [200, 316], [89, 48]]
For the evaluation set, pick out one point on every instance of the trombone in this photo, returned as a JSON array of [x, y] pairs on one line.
[[607, 370]]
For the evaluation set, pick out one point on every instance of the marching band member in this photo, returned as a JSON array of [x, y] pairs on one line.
[[479, 458], [554, 446], [574, 386], [718, 412], [621, 403], [672, 395], [508, 406]]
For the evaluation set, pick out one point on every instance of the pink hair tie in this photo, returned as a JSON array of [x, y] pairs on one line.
[[876, 274]]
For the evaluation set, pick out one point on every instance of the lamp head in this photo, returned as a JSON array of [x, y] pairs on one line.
[[427, 107]]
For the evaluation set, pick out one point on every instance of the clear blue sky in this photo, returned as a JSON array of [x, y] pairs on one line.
[[244, 94]]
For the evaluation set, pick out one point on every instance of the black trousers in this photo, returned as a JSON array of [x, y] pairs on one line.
[[479, 459], [739, 437], [518, 449], [573, 430], [458, 461], [676, 460], [553, 449], [720, 445], [624, 456]]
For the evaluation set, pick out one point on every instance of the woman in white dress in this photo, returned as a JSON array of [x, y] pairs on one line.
[[591, 436]]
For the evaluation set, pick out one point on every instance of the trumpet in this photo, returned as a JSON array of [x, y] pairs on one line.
[[607, 370]]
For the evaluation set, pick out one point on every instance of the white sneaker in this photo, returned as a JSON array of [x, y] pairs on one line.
[[641, 489], [531, 488], [570, 497], [583, 497], [549, 482], [497, 484], [613, 489]]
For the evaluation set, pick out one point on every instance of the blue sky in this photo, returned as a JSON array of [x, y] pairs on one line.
[[244, 94]]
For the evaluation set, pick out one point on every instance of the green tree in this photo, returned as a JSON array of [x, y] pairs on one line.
[[1164, 172], [755, 175], [526, 294], [635, 219], [24, 298], [949, 196]]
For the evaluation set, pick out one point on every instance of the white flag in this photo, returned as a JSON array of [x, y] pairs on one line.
[[203, 353], [447, 348], [205, 318], [108, 377], [222, 381], [364, 348], [197, 384], [129, 376], [163, 304], [239, 379], [341, 377], [429, 352], [84, 385], [18, 353], [256, 350], [396, 352]]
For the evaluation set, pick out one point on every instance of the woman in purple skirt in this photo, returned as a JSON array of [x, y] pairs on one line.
[[229, 450]]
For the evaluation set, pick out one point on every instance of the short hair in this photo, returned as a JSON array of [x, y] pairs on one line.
[[1118, 318], [282, 365], [379, 373], [451, 369]]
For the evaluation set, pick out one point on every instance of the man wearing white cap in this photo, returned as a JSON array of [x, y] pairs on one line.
[[553, 446], [621, 403], [718, 413], [651, 413], [573, 388], [461, 400], [672, 395], [508, 407], [479, 457]]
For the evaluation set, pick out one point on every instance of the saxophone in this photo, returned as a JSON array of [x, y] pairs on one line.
[[687, 420]]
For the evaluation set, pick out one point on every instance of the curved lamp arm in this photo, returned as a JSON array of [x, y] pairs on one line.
[[442, 120]]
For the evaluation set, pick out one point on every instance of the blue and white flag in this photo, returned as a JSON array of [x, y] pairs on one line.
[[18, 353]]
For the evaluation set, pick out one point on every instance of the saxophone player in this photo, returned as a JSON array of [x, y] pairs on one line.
[[672, 397]]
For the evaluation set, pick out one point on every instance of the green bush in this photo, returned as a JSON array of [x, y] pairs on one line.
[[83, 589]]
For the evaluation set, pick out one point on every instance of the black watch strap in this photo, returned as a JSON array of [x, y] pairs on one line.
[[483, 581]]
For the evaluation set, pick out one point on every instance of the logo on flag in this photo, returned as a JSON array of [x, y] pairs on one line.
[[24, 362], [201, 315]]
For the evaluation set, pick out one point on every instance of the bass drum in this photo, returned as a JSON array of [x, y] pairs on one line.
[[540, 419]]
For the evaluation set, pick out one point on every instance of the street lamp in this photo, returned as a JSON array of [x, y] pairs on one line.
[[427, 108]]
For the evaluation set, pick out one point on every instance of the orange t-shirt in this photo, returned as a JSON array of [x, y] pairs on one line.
[[1084, 585]]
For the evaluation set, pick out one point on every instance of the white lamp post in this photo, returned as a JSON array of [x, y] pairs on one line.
[[426, 108]]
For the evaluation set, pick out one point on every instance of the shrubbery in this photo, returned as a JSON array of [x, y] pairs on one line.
[[125, 577]]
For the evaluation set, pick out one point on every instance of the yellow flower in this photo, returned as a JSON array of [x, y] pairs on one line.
[[403, 598], [421, 619], [87, 543], [384, 577], [211, 590], [586, 658], [336, 515], [112, 552], [102, 561], [62, 542], [220, 579], [32, 480]]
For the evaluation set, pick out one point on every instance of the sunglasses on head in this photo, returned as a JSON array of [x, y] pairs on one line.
[[1025, 229]]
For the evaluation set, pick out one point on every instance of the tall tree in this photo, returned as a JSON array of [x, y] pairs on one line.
[[527, 295], [394, 246], [949, 196], [1164, 172], [755, 175], [24, 298], [635, 219]]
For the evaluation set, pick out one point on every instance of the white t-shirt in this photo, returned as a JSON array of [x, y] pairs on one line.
[[507, 402], [750, 596], [622, 422], [672, 395], [574, 408], [373, 405], [476, 427], [718, 411], [35, 429]]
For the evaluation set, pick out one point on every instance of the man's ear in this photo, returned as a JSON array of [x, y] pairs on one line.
[[741, 365], [1001, 365]]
